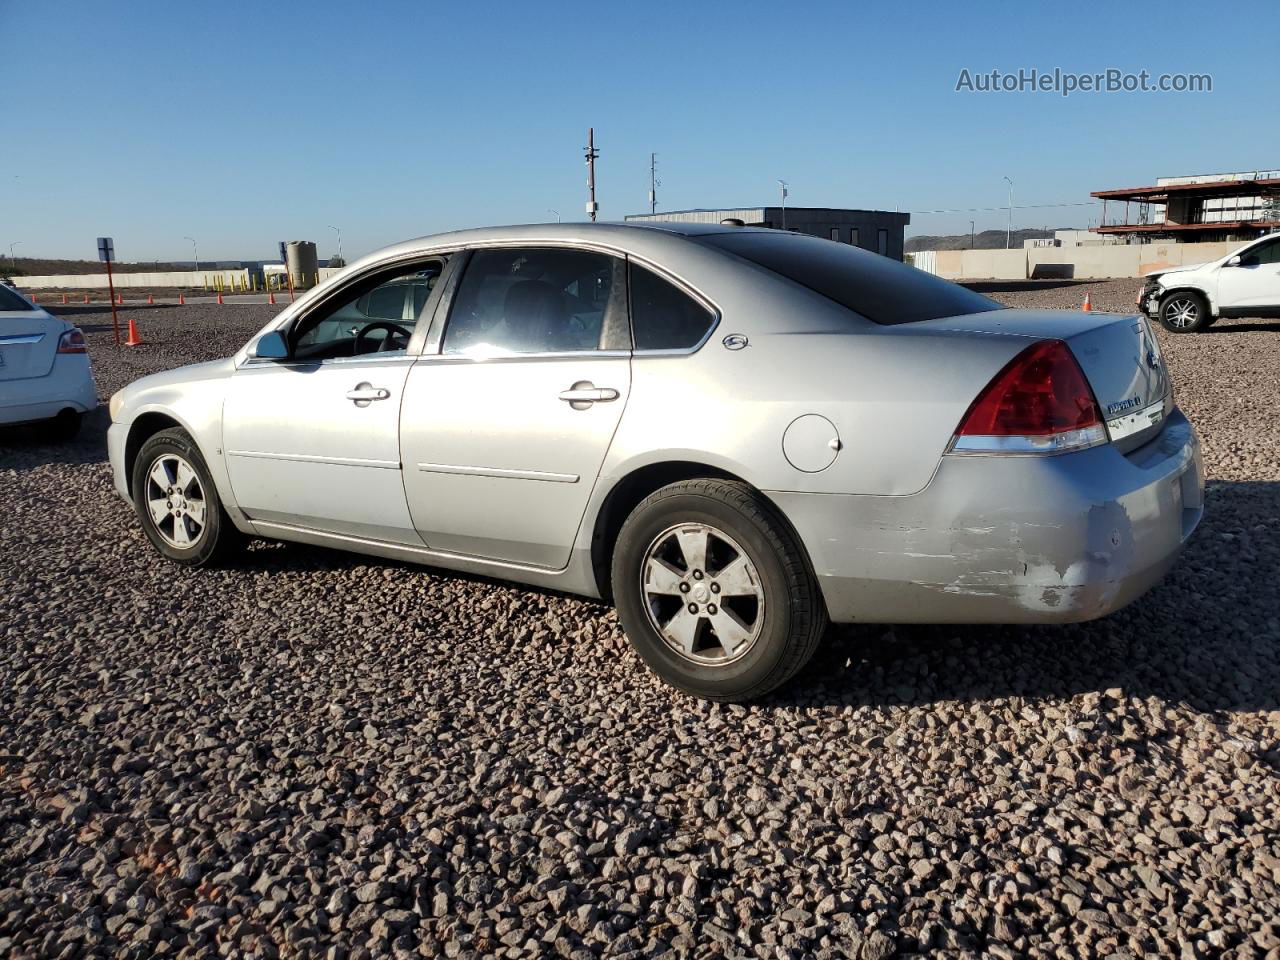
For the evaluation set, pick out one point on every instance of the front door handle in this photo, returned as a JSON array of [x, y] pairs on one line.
[[365, 393], [586, 392]]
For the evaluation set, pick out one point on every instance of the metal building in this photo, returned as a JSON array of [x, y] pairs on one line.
[[879, 231], [1206, 207]]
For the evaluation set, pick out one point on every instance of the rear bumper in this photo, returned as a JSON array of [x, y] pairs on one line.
[[1009, 539], [40, 398]]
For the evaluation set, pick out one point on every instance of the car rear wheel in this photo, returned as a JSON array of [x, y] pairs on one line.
[[714, 590], [174, 497], [1184, 312]]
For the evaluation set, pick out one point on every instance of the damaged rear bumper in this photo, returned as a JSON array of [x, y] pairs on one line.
[[1054, 539]]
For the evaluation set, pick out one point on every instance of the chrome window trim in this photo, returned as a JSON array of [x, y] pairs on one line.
[[693, 292], [305, 307], [457, 253], [363, 360], [519, 357], [16, 338]]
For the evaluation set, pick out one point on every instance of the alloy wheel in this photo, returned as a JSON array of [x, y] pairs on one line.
[[1181, 312], [702, 593], [176, 502]]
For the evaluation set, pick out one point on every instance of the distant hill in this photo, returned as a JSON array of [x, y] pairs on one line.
[[986, 240], [40, 266]]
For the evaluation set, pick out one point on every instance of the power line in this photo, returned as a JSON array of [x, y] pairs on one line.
[[1005, 206]]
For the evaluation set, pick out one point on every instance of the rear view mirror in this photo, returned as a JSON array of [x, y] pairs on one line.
[[1234, 261], [271, 346]]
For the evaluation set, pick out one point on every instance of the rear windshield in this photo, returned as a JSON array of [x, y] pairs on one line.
[[11, 301], [882, 290]]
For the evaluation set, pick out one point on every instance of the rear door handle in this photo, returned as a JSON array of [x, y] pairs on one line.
[[364, 393], [586, 393]]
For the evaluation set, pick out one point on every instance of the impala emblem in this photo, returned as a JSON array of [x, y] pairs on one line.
[[735, 341], [1122, 405]]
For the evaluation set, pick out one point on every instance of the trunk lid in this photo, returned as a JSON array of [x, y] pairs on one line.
[[1118, 353], [28, 343]]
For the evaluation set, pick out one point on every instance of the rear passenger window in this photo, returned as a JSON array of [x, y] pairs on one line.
[[664, 317], [514, 301]]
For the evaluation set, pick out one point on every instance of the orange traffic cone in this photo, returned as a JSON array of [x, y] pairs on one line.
[[181, 298], [1088, 304], [64, 298], [219, 296], [134, 340], [86, 298], [35, 298], [119, 299], [271, 297], [151, 300]]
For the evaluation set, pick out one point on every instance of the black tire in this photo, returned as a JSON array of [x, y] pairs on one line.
[[217, 537], [791, 615], [66, 425], [1184, 311]]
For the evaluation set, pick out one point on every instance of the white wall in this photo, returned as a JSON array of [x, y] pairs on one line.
[[1075, 263], [98, 281]]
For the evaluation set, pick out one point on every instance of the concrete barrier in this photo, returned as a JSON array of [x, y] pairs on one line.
[[981, 264], [1069, 263], [98, 281]]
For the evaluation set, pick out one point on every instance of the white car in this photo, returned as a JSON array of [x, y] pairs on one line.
[[44, 367], [1244, 283]]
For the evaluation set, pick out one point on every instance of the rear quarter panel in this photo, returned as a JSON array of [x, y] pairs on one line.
[[895, 396]]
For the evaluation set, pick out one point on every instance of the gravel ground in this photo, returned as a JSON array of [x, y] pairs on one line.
[[317, 754]]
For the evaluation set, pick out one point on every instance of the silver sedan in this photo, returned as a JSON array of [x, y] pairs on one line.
[[735, 434]]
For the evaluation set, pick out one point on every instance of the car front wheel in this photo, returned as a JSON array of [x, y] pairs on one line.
[[714, 591], [1184, 312], [174, 497]]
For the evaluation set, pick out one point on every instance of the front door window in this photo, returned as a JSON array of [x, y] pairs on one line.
[[376, 317]]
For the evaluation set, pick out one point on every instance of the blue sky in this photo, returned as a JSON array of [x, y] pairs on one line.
[[244, 123]]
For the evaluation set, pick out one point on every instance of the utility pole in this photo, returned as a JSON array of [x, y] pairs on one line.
[[592, 153], [1008, 237], [556, 212], [970, 234], [653, 183], [195, 253], [338, 231], [13, 264], [783, 184]]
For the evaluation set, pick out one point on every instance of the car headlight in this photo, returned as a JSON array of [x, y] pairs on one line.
[[115, 403]]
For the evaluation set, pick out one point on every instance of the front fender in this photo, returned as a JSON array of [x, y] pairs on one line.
[[194, 402]]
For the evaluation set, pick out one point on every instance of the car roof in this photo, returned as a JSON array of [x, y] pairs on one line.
[[650, 237]]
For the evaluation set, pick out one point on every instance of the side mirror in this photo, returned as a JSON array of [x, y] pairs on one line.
[[1234, 261], [271, 346]]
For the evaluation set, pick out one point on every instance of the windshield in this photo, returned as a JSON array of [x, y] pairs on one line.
[[882, 290], [11, 301]]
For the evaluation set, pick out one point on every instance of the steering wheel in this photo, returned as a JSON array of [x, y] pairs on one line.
[[394, 330]]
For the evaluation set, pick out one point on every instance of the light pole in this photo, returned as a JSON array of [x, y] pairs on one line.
[[12, 263], [1008, 237], [195, 253], [556, 212], [783, 184], [339, 233]]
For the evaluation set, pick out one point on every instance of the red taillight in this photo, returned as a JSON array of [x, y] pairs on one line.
[[73, 342], [1039, 403]]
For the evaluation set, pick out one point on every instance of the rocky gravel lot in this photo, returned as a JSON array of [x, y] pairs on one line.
[[316, 754]]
